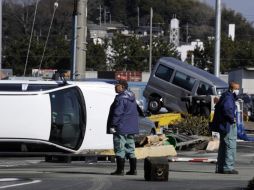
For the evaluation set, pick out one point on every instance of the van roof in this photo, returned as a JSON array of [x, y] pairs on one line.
[[199, 73]]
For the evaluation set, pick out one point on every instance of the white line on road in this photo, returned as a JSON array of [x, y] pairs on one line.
[[8, 179], [20, 184]]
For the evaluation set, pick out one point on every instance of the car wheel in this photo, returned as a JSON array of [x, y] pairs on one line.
[[154, 105]]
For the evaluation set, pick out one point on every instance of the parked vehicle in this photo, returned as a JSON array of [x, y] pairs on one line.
[[51, 116], [174, 85], [247, 105]]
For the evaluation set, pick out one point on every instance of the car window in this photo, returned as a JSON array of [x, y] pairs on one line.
[[164, 72], [184, 81], [204, 89], [221, 90], [68, 118]]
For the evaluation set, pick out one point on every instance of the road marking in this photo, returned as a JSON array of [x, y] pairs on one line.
[[20, 184], [248, 155], [8, 179], [191, 159]]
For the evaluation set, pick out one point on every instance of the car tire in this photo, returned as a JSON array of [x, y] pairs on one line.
[[154, 105]]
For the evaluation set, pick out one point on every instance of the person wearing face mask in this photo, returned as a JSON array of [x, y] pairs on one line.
[[225, 122]]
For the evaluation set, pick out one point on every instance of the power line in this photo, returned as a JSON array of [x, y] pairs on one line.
[[44, 49]]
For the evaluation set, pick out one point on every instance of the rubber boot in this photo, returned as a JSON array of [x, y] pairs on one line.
[[119, 166], [133, 167]]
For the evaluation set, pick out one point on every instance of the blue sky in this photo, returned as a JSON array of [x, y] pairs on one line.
[[245, 7]]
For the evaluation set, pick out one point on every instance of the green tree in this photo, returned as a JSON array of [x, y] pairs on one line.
[[162, 48], [15, 56], [129, 53], [96, 57], [132, 53]]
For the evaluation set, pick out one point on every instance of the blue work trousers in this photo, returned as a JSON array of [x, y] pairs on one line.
[[227, 150], [124, 146]]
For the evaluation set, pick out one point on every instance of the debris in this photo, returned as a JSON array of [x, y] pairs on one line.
[[154, 140], [213, 145], [143, 152]]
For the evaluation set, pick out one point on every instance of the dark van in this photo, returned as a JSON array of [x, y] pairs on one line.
[[172, 80]]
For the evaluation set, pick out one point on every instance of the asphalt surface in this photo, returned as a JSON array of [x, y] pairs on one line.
[[35, 174]]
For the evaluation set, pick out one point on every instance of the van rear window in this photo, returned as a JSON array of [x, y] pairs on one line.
[[184, 81], [164, 72]]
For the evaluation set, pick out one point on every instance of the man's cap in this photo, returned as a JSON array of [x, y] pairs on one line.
[[123, 83]]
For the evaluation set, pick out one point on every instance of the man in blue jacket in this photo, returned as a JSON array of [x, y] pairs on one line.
[[123, 123], [224, 122]]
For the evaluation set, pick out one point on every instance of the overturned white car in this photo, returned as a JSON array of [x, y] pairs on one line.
[[57, 116]]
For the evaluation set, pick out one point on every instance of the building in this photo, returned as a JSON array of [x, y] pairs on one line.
[[184, 49], [143, 31], [100, 32], [245, 77], [5, 73]]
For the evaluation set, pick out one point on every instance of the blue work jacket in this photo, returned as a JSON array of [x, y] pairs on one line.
[[123, 114], [224, 115]]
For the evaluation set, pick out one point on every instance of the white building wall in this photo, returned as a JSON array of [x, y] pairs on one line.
[[184, 49], [145, 76], [248, 82], [98, 33], [91, 74], [224, 77], [231, 31]]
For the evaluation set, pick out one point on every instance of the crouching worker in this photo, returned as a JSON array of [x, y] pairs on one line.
[[123, 124]]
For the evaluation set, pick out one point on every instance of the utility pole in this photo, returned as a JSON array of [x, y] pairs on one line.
[[74, 40], [105, 15], [100, 15], [1, 34], [151, 41], [217, 39], [187, 33], [138, 15], [109, 17], [81, 38]]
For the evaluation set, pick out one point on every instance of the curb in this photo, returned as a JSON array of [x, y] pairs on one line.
[[183, 159]]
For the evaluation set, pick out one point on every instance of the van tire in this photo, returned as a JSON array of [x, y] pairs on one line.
[[154, 105]]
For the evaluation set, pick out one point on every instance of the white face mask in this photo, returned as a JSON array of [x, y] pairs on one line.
[[236, 92]]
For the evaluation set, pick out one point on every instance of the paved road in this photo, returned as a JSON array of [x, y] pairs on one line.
[[35, 174]]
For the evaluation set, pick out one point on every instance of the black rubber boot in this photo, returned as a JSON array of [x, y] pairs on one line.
[[133, 167], [119, 166]]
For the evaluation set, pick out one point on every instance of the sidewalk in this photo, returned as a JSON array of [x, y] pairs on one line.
[[249, 125]]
